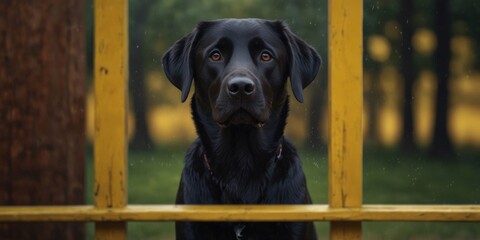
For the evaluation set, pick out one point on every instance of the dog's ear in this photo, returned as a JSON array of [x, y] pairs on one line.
[[304, 61], [178, 63]]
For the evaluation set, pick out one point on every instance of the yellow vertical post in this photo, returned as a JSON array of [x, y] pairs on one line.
[[111, 68], [346, 108]]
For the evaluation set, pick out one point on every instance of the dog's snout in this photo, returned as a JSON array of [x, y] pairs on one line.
[[240, 86]]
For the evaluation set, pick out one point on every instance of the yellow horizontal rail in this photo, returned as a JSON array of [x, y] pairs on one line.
[[470, 213]]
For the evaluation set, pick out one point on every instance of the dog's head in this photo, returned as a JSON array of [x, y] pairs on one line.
[[240, 67]]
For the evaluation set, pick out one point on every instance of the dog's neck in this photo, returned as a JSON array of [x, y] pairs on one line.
[[239, 149]]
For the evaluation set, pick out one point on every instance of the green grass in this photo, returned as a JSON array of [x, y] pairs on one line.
[[397, 178], [389, 178]]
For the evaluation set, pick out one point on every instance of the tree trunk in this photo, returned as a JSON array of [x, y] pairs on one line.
[[373, 96], [406, 20], [441, 145], [141, 138], [42, 98]]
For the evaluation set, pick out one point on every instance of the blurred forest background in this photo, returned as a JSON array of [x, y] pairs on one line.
[[421, 66]]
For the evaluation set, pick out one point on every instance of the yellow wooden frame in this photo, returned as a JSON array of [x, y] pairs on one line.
[[315, 212], [345, 68], [111, 144], [345, 210]]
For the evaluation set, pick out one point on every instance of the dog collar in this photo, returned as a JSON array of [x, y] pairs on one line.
[[278, 155]]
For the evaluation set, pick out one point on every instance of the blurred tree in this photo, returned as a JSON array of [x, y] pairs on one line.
[[407, 68], [42, 114], [465, 16], [441, 145], [317, 105], [316, 34], [137, 24], [89, 40], [372, 96], [376, 13]]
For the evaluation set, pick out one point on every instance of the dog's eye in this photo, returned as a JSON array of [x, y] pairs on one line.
[[216, 56], [266, 56]]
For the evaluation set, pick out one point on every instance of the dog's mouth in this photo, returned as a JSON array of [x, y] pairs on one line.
[[241, 117]]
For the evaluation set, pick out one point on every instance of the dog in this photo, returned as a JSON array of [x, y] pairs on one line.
[[240, 68]]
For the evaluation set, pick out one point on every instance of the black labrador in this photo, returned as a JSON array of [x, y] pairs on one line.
[[240, 106]]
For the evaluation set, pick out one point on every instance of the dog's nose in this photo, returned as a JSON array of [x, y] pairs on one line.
[[239, 86]]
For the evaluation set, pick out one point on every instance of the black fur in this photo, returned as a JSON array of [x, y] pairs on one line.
[[239, 108]]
